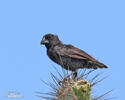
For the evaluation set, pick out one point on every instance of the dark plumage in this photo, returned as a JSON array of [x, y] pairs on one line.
[[68, 56]]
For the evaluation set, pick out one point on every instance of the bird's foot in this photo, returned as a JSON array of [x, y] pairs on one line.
[[68, 78], [65, 79]]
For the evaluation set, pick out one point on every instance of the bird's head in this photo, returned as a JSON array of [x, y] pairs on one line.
[[50, 39]]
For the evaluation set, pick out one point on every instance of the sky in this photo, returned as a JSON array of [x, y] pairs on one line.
[[95, 26]]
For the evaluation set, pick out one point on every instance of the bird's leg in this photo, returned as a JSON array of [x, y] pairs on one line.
[[74, 75], [66, 78]]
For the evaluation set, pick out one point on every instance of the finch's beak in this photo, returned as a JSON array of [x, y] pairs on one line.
[[44, 41]]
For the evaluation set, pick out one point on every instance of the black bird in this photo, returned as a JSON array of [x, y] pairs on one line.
[[68, 56]]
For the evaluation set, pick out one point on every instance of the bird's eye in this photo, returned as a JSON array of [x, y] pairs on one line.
[[47, 37]]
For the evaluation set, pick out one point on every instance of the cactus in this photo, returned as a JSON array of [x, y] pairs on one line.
[[68, 88]]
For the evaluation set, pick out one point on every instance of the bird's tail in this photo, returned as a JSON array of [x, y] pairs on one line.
[[96, 65], [101, 65]]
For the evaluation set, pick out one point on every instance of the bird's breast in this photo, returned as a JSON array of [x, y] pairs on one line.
[[52, 55]]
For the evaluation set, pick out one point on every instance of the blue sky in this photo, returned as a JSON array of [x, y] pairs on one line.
[[96, 26]]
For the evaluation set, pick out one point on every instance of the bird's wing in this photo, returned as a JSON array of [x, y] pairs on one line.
[[73, 52]]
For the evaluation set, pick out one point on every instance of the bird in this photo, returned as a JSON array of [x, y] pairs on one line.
[[68, 56]]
